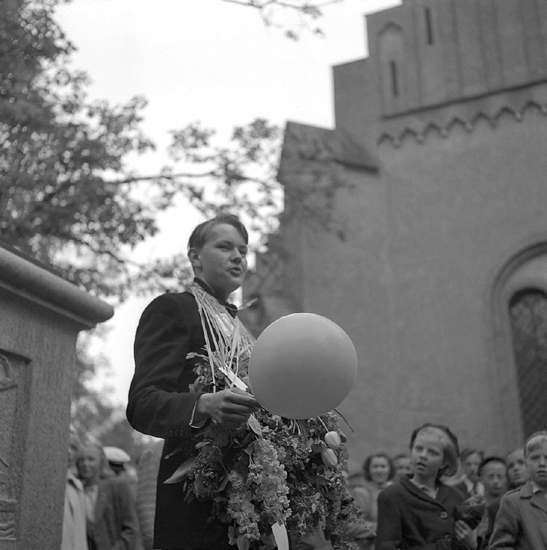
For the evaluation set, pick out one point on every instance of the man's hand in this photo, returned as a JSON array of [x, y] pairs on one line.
[[230, 408]]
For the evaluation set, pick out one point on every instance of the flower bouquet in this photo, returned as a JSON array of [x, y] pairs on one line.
[[471, 511], [272, 479]]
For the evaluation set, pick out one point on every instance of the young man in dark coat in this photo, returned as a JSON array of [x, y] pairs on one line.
[[160, 401]]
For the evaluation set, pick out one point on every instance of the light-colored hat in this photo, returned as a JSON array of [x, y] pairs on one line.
[[116, 455]]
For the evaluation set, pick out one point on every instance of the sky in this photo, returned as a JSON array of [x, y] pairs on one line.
[[210, 61]]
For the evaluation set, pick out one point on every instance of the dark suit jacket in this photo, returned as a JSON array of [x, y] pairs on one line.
[[408, 518], [160, 405], [116, 525]]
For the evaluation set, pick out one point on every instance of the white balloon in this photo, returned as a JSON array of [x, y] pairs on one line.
[[303, 365]]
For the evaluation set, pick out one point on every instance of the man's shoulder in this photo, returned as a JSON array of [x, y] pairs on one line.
[[117, 484], [524, 491], [168, 297], [171, 300]]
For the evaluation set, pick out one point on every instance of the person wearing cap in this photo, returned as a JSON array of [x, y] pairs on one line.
[[111, 515], [117, 459]]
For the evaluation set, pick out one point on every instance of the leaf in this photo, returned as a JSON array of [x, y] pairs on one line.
[[222, 486], [344, 419], [250, 448], [253, 423], [182, 471]]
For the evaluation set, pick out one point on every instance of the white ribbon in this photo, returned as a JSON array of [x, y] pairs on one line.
[[280, 535]]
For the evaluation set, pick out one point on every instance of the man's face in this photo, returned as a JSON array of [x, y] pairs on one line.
[[494, 479], [471, 466], [536, 462], [222, 262], [516, 468], [90, 464], [402, 466]]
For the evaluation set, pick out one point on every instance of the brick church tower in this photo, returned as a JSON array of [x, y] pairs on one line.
[[419, 224]]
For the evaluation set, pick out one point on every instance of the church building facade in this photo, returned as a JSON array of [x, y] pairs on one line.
[[419, 224]]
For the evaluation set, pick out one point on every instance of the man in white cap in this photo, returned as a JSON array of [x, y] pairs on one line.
[[117, 459]]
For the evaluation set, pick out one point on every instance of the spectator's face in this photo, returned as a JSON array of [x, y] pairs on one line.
[[494, 479], [516, 468], [90, 464], [471, 466], [536, 462], [222, 262], [379, 469], [427, 455], [403, 466]]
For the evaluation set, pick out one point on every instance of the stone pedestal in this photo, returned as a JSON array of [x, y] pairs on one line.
[[41, 315]]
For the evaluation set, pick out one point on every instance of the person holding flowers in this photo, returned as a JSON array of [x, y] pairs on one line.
[[231, 474]]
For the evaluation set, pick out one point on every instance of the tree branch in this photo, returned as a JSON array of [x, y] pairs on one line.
[[135, 179]]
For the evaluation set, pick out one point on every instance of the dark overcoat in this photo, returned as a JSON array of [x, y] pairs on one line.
[[160, 404], [409, 518], [116, 524]]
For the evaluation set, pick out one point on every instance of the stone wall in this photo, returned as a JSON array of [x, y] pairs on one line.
[[40, 317]]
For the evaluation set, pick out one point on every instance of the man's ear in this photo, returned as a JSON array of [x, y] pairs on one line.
[[193, 256]]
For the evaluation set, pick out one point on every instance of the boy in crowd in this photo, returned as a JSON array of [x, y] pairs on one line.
[[516, 468], [493, 476], [402, 465], [521, 522]]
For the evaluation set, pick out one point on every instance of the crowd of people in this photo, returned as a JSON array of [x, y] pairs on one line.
[[190, 349], [437, 497], [100, 510]]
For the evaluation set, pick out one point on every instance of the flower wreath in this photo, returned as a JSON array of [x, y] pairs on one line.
[[273, 477]]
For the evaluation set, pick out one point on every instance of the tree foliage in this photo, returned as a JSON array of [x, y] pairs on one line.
[[68, 194], [294, 16], [58, 199]]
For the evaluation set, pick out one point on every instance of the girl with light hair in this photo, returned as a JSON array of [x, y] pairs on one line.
[[420, 511]]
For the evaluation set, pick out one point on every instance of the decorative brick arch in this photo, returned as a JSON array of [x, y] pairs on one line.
[[519, 280]]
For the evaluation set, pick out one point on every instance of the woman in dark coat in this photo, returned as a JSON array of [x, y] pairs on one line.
[[419, 512]]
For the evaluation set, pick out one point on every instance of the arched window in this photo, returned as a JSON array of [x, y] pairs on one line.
[[528, 315]]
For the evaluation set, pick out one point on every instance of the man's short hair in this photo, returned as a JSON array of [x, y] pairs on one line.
[[489, 460], [468, 451], [534, 441], [202, 232]]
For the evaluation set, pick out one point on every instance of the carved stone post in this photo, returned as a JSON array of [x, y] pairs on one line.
[[40, 317]]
